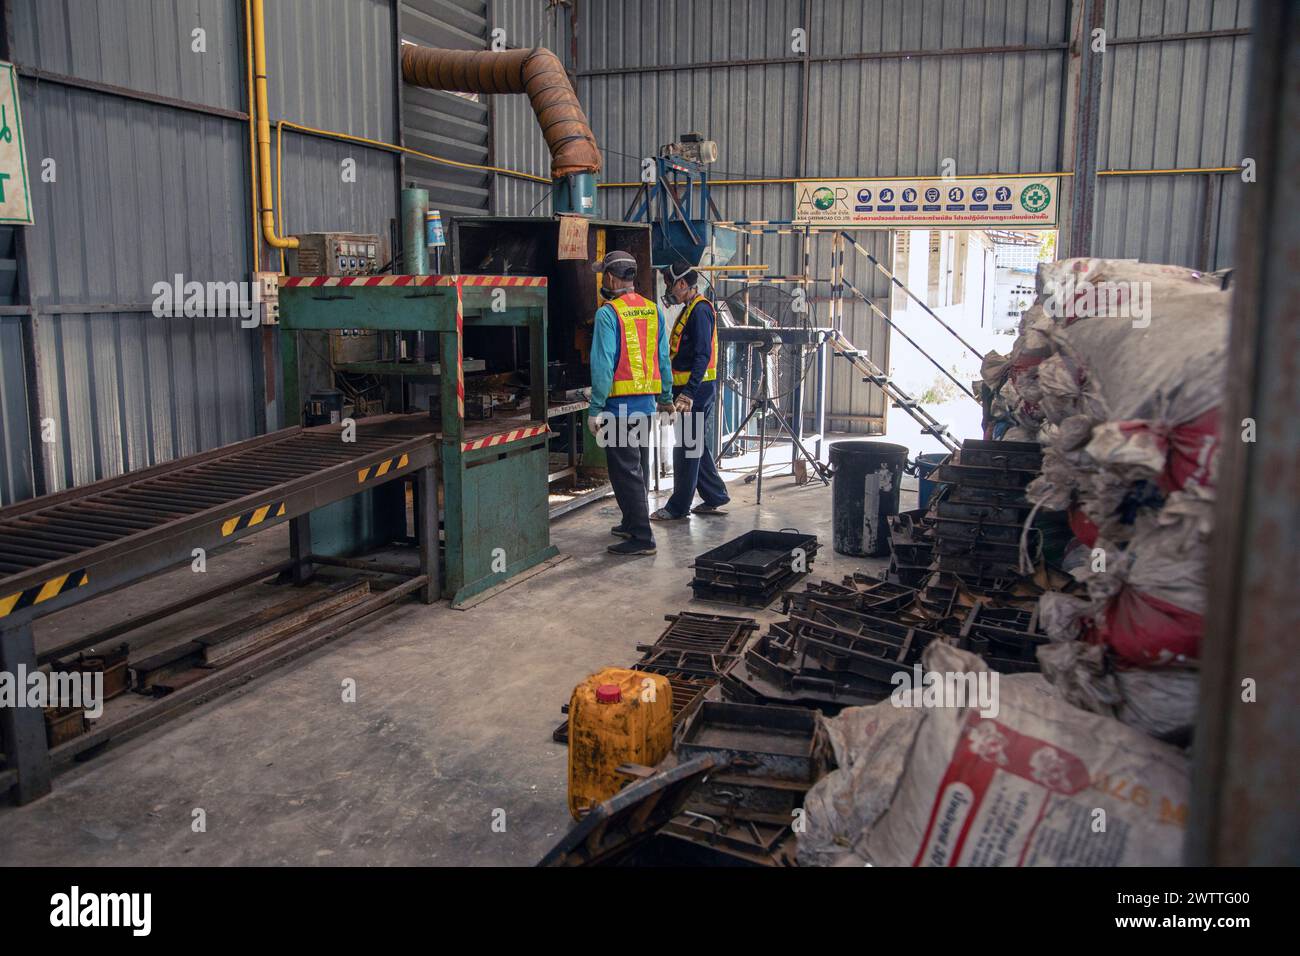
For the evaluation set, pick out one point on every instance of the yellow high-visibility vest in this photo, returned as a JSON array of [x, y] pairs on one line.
[[711, 372], [637, 372]]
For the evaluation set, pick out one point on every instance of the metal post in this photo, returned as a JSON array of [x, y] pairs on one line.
[[300, 548], [1246, 755], [796, 407], [22, 729], [415, 254], [762, 435], [426, 520], [1083, 125], [819, 408], [572, 429]]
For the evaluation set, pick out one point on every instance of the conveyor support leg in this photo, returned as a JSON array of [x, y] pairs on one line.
[[22, 729], [426, 517], [300, 548]]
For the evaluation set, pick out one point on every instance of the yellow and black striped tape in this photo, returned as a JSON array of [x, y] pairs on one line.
[[252, 518], [43, 592], [381, 469]]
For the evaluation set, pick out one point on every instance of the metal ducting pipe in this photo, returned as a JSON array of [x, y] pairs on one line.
[[575, 157]]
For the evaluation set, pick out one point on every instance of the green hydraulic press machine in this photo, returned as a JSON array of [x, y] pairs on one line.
[[493, 474]]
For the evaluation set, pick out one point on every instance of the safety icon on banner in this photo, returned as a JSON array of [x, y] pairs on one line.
[[1035, 197]]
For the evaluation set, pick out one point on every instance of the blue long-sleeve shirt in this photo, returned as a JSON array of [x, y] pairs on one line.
[[695, 348], [606, 347]]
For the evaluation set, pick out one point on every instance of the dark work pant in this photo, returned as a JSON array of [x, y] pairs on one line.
[[629, 473], [693, 467]]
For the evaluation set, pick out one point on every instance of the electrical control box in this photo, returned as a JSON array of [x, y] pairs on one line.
[[335, 254]]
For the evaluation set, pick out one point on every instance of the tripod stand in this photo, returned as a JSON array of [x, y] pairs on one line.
[[762, 406]]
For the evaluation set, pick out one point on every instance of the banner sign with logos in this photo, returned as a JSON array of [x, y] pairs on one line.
[[15, 196], [1019, 202]]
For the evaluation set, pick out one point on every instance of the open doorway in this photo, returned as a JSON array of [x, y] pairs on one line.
[[979, 282]]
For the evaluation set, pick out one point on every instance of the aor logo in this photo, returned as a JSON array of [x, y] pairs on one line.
[[103, 909]]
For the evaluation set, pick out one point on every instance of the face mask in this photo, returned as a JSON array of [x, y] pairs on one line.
[[608, 294]]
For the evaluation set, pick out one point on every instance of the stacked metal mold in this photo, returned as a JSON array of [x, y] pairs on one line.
[[753, 569], [840, 647], [911, 547], [979, 526], [1007, 637], [767, 759]]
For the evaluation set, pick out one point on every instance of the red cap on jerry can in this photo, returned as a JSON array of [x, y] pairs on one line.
[[608, 694]]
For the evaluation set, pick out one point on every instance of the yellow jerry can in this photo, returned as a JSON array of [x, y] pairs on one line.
[[616, 716]]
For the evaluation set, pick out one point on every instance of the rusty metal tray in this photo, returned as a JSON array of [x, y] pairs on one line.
[[774, 743]]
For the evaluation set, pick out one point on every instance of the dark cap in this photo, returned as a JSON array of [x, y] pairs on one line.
[[618, 263], [677, 270]]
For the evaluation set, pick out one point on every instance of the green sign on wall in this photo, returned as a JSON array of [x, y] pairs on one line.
[[15, 195]]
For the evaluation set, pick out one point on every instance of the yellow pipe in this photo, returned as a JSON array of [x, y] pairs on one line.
[[256, 245], [867, 179], [393, 148], [1168, 172], [264, 134]]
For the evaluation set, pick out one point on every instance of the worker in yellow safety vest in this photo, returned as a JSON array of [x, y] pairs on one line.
[[693, 353], [629, 349]]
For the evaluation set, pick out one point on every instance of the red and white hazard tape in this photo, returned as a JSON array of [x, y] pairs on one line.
[[503, 438], [291, 282]]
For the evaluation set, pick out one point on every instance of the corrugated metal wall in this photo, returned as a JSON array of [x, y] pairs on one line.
[[15, 436], [995, 112], [446, 124], [141, 192], [331, 65], [1177, 103], [517, 141], [867, 116], [894, 89], [146, 190]]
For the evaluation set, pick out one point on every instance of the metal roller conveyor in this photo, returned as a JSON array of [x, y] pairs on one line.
[[60, 549], [64, 548]]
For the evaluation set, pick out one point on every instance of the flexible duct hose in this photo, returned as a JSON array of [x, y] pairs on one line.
[[537, 72]]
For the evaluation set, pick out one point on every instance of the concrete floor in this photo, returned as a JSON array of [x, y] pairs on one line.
[[450, 730]]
